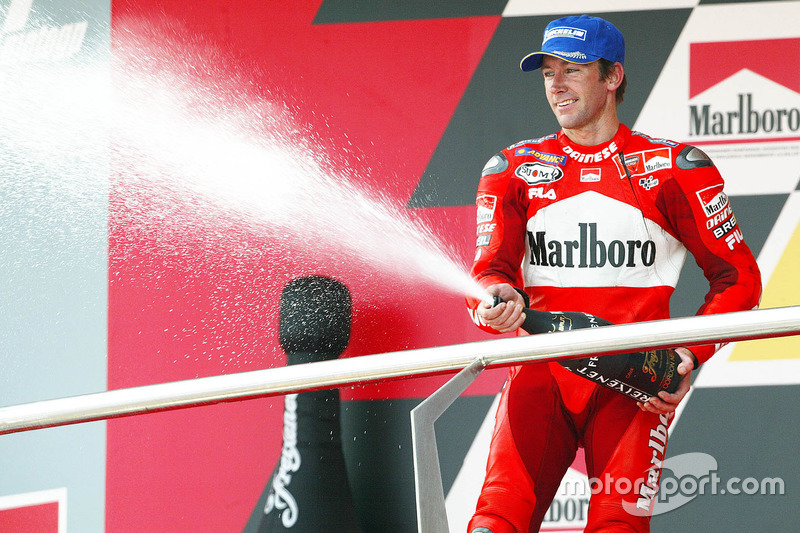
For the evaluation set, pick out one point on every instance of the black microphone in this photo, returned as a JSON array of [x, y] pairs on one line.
[[637, 375], [309, 489]]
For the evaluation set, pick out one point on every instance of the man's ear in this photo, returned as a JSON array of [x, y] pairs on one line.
[[615, 76]]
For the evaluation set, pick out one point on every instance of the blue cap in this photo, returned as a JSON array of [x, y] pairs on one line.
[[580, 39]]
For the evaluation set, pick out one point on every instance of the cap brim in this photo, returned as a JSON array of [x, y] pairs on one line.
[[533, 61]]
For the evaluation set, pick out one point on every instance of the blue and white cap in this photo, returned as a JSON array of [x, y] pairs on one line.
[[580, 39]]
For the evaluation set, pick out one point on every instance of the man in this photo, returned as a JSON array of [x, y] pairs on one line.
[[597, 219]]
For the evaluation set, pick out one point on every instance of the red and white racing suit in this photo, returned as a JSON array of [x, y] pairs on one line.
[[602, 230]]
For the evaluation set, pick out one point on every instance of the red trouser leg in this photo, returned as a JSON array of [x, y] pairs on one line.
[[533, 444], [624, 451]]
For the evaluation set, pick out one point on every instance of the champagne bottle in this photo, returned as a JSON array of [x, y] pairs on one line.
[[309, 488], [638, 375]]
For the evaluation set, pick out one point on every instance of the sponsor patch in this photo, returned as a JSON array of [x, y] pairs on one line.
[[589, 175], [544, 157], [536, 173], [483, 240], [646, 162], [564, 31], [719, 218], [712, 199], [734, 238], [648, 183], [590, 249], [486, 204], [595, 157], [726, 227], [540, 192]]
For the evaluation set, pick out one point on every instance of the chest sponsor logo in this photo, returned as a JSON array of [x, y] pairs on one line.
[[486, 204], [589, 250], [712, 199], [536, 173], [646, 162], [544, 157], [589, 175], [595, 157], [540, 192]]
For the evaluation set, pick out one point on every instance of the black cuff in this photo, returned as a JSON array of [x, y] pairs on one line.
[[524, 296]]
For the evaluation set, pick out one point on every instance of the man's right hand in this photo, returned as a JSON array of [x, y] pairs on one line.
[[506, 316]]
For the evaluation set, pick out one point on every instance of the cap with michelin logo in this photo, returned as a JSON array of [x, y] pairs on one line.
[[581, 39]]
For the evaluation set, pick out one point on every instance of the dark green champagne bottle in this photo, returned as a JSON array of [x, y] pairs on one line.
[[638, 375]]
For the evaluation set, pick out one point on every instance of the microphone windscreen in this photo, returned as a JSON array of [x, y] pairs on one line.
[[315, 319]]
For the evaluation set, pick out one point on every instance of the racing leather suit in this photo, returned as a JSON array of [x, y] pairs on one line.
[[603, 230]]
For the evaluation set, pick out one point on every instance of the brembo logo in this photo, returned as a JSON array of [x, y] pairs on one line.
[[589, 251], [43, 44]]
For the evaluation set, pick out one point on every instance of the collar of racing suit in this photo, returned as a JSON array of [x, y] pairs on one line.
[[596, 153]]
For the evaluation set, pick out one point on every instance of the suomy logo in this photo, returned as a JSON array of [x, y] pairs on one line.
[[536, 172], [588, 251]]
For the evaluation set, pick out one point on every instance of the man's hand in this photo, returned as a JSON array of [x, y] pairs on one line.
[[665, 402], [507, 316]]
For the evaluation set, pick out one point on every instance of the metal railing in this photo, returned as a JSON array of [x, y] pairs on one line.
[[741, 325]]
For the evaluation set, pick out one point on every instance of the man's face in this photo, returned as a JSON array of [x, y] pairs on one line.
[[577, 95]]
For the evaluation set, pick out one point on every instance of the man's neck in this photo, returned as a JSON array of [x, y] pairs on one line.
[[596, 133]]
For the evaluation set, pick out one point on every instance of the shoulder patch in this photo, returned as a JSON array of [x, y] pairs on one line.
[[691, 157], [497, 164], [537, 140]]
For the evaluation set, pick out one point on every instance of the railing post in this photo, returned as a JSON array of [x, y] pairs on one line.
[[431, 511]]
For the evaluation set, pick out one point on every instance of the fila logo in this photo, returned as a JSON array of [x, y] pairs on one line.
[[539, 192], [734, 238]]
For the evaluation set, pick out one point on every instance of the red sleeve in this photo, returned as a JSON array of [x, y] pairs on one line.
[[501, 219], [700, 212]]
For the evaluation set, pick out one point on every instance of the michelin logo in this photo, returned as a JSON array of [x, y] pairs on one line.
[[565, 31], [44, 44]]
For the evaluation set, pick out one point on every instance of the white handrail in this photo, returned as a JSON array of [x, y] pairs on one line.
[[741, 325]]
